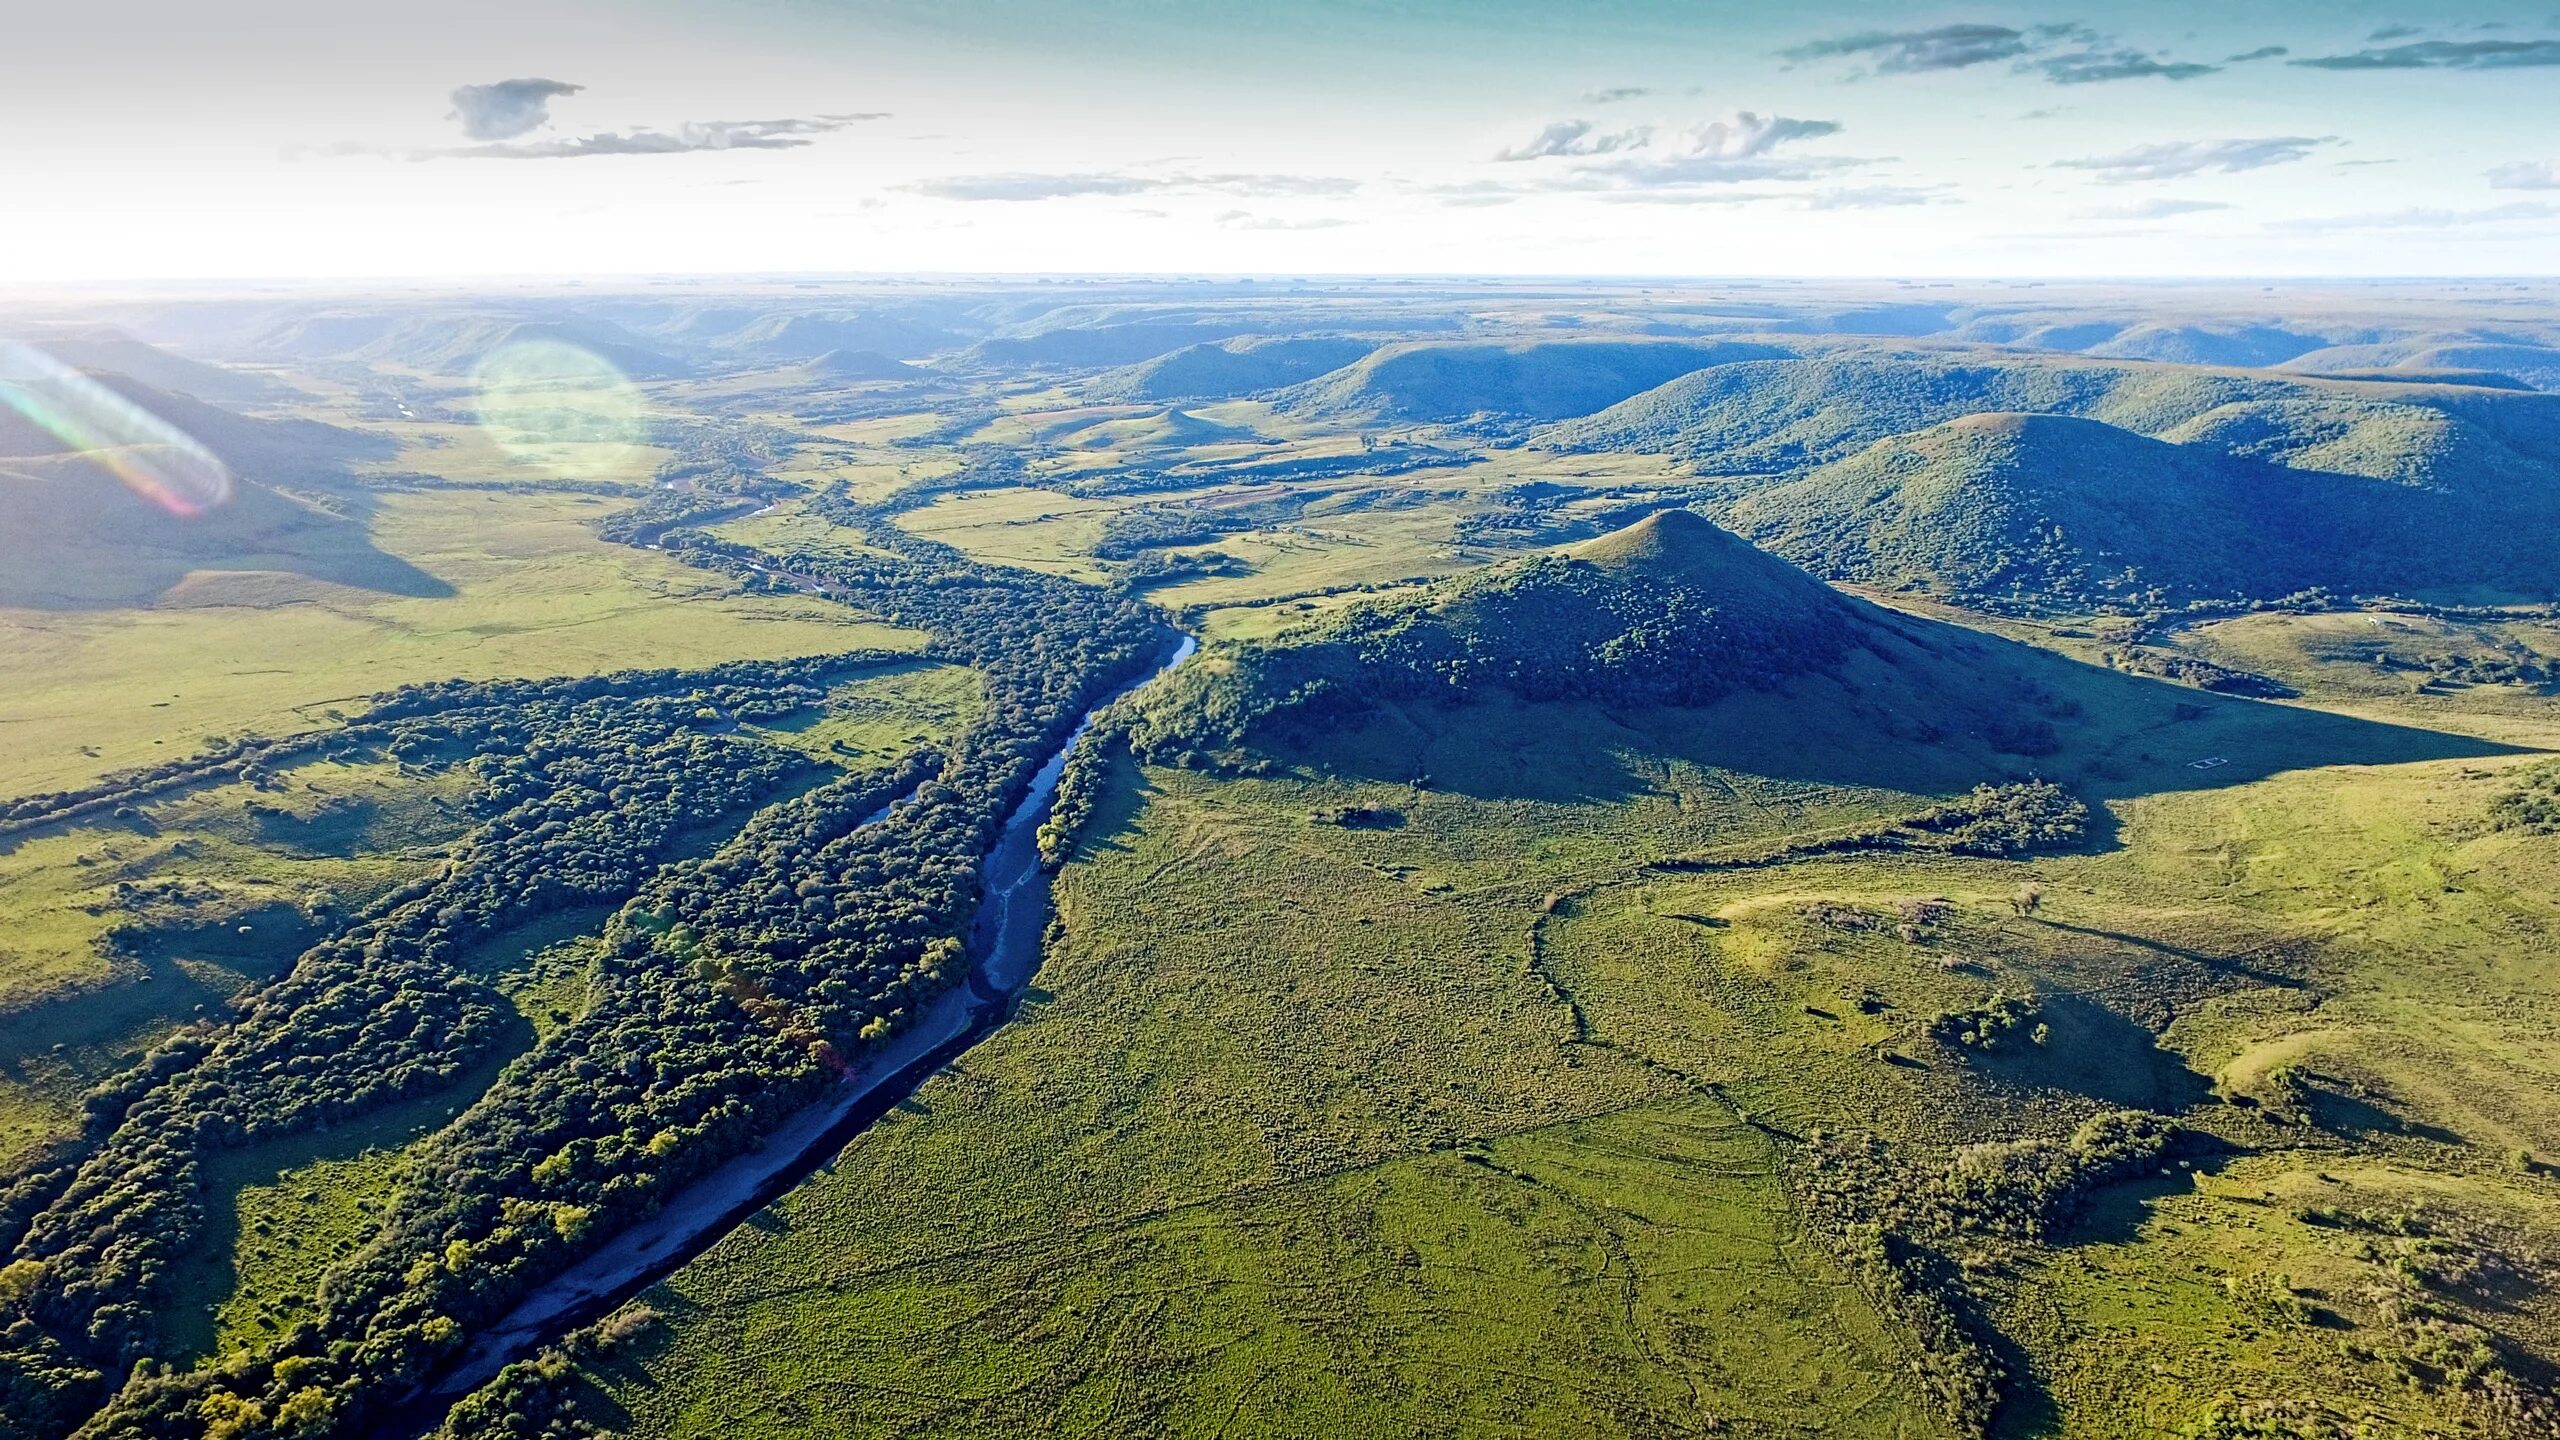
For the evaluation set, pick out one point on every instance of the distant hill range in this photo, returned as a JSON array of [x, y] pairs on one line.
[[2082, 480], [1229, 369], [1443, 381], [100, 347], [439, 342]]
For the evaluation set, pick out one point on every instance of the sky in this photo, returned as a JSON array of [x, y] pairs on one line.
[[300, 140]]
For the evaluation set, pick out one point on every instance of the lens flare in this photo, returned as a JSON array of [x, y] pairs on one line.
[[156, 459], [564, 410]]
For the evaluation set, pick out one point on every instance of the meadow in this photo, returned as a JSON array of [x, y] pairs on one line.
[[535, 594]]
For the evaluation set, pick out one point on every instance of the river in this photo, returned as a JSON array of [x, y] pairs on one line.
[[1004, 945]]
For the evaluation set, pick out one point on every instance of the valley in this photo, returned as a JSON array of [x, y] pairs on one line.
[[1821, 859]]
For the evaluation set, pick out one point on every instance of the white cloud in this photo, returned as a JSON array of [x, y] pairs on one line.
[[1572, 137], [2158, 209], [2526, 175], [2178, 159], [1020, 186], [508, 108], [786, 134]]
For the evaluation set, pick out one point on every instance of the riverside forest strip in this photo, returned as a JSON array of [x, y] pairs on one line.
[[734, 989]]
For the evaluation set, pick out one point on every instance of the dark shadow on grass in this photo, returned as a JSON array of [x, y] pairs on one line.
[[2221, 964], [1923, 707], [2094, 1051]]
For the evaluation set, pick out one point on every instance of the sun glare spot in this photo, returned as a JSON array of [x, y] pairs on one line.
[[563, 410], [155, 458]]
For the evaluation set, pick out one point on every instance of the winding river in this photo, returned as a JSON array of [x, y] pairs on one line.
[[1004, 943]]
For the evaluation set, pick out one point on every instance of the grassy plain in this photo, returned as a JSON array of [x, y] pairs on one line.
[[121, 930], [1491, 1137], [536, 593]]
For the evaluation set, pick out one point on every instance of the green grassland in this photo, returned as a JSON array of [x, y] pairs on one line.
[[121, 930], [536, 594], [1494, 1137]]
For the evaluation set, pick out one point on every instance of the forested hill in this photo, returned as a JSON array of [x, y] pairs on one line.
[[1230, 368], [2075, 482], [2052, 508], [1668, 611], [1515, 380], [1775, 417]]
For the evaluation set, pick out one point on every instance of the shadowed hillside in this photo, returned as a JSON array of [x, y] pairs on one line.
[[1673, 636], [74, 536]]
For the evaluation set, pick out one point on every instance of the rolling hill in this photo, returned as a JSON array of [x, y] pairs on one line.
[[811, 337], [2531, 364], [1230, 369], [1776, 417], [2005, 506], [2234, 344], [1091, 347], [1537, 381], [858, 365]]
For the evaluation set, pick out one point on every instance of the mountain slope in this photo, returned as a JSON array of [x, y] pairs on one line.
[[1447, 381]]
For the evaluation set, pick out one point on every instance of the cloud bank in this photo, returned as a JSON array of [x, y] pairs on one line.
[[2526, 175], [785, 134]]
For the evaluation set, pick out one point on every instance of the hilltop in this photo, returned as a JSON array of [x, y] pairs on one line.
[[1539, 380], [1670, 611]]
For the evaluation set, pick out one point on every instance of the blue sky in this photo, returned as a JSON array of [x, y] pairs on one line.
[[290, 138]]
